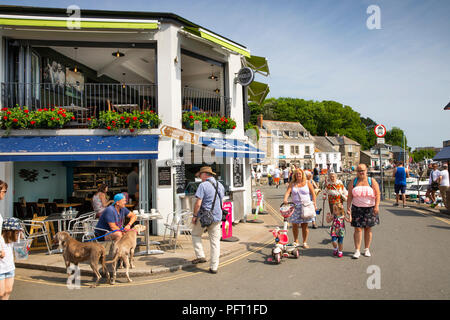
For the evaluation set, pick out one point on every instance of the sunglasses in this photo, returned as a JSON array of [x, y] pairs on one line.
[[3, 191]]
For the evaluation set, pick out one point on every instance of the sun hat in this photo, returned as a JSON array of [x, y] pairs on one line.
[[12, 224], [118, 197], [205, 170]]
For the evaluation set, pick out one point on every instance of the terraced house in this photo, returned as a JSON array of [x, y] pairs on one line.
[[85, 95]]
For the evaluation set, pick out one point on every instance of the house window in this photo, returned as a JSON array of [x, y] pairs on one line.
[[294, 134], [307, 150], [281, 149], [350, 148], [295, 150], [350, 154]]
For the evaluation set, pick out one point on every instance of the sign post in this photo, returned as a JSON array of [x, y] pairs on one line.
[[380, 132]]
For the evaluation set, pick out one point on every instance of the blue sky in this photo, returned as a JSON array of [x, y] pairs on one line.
[[319, 50]]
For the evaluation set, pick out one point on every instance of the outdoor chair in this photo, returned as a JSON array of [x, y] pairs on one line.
[[77, 227], [19, 211], [90, 226], [34, 213], [51, 208], [178, 223], [34, 230]]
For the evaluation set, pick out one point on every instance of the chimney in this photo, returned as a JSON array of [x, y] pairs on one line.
[[259, 121]]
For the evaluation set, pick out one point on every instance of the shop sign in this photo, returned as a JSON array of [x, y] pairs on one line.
[[180, 177], [179, 134], [245, 76], [238, 174], [164, 176], [227, 225]]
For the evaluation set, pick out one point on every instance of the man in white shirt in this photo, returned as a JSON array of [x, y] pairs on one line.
[[286, 175], [444, 184], [433, 184]]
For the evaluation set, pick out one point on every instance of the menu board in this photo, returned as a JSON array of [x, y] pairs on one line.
[[164, 176], [238, 172], [180, 177]]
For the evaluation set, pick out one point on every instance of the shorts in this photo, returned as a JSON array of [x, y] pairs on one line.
[[286, 180], [363, 217], [340, 240], [7, 275], [276, 180], [399, 187]]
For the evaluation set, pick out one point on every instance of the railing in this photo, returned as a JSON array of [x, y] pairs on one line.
[[200, 100], [85, 101]]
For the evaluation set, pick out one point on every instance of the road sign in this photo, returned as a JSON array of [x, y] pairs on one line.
[[380, 130], [380, 141], [179, 134]]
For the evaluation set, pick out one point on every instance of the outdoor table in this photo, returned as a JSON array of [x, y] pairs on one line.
[[61, 205], [147, 217]]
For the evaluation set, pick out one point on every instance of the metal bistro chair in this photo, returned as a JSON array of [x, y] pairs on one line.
[[77, 227], [34, 230], [178, 223]]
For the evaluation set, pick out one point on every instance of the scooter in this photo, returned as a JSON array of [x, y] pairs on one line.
[[282, 248]]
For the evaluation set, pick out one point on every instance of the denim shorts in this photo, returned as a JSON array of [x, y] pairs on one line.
[[339, 239], [7, 275]]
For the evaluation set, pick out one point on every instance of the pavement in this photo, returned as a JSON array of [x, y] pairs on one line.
[[169, 261], [172, 260]]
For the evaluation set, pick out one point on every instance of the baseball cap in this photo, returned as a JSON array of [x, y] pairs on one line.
[[118, 197]]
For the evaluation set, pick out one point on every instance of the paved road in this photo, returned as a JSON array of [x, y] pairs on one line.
[[410, 253]]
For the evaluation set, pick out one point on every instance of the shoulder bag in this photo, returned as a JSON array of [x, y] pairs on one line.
[[206, 217], [308, 211]]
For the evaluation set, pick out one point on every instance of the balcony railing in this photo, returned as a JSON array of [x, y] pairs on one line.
[[85, 101], [200, 100]]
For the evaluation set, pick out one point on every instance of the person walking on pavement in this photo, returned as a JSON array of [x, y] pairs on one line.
[[316, 192], [276, 177], [337, 230], [434, 184], [335, 191], [286, 175], [444, 184], [205, 195], [400, 173], [316, 175], [301, 192], [270, 176], [363, 208]]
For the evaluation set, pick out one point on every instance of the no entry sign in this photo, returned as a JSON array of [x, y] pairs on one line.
[[380, 130]]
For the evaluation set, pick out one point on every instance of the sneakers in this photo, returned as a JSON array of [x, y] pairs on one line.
[[335, 252], [340, 254], [212, 271], [357, 254], [305, 245], [367, 252]]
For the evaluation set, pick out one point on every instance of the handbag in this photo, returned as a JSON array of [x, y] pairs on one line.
[[207, 216], [308, 211]]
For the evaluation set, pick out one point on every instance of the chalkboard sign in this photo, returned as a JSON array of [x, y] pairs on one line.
[[180, 177], [238, 172], [164, 176]]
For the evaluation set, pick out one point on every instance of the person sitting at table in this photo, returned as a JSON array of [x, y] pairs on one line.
[[100, 200], [113, 218]]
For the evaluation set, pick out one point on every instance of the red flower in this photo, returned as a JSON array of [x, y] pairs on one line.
[[191, 116], [73, 118], [131, 130], [134, 118], [234, 127], [60, 112], [57, 119], [40, 110], [64, 115], [4, 109], [5, 118], [45, 109], [32, 122], [15, 120], [122, 117], [226, 120], [140, 120], [127, 121], [207, 120], [52, 118], [89, 119], [151, 111], [25, 111], [9, 112], [108, 127], [142, 112]]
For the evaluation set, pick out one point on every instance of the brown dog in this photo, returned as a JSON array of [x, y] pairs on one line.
[[124, 250], [76, 252]]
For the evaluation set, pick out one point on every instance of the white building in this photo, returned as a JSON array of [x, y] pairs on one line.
[[325, 154], [124, 62]]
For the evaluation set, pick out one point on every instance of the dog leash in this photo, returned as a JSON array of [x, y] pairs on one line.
[[104, 235]]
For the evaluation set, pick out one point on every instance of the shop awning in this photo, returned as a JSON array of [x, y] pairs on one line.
[[204, 34], [232, 148], [444, 154], [258, 91], [74, 23], [259, 64], [78, 148]]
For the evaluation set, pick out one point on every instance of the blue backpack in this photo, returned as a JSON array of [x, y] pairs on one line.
[[356, 180]]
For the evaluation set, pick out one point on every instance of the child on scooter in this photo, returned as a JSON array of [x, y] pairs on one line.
[[337, 230]]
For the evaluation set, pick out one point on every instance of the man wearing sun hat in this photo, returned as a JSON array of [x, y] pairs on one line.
[[113, 218], [205, 198]]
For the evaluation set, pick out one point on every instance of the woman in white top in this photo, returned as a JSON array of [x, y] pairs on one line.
[[302, 192], [444, 185], [100, 201], [6, 256]]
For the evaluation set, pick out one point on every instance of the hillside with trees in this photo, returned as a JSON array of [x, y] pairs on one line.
[[319, 117]]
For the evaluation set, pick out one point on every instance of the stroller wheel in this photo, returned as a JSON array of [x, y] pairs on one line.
[[296, 253]]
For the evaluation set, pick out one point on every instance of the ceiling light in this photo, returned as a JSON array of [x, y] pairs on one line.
[[118, 54]]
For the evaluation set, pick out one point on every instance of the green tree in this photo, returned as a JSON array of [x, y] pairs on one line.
[[419, 155], [395, 137]]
